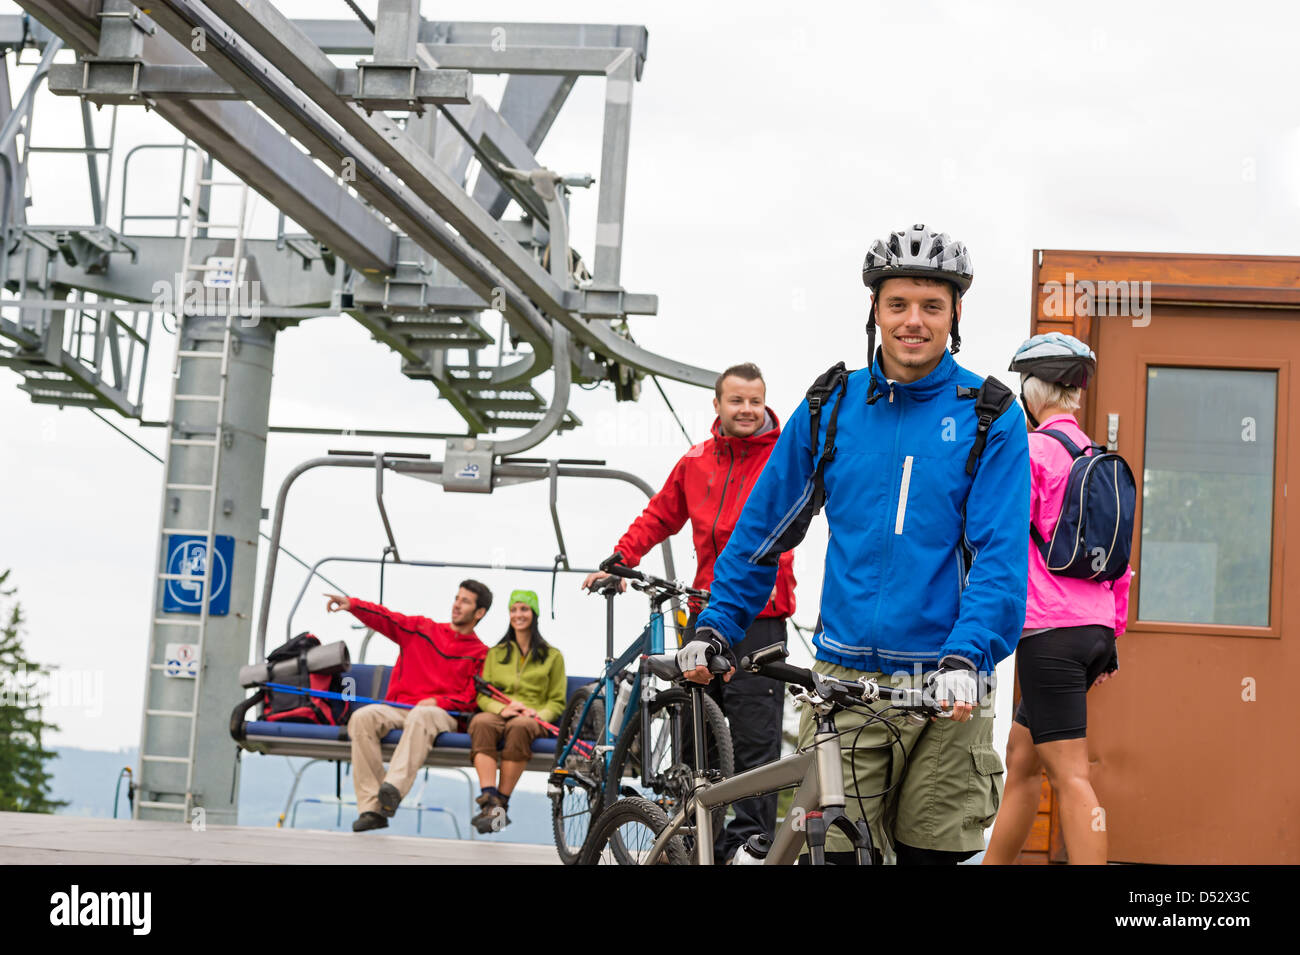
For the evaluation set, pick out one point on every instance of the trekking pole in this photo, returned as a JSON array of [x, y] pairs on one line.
[[485, 687], [331, 695]]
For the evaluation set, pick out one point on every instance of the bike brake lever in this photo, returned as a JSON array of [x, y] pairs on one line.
[[917, 697]]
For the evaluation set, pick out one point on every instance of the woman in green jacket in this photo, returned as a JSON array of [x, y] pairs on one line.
[[530, 671]]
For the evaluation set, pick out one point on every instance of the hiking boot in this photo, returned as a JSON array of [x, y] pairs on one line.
[[492, 817], [389, 799], [369, 820]]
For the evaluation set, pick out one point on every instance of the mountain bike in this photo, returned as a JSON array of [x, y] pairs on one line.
[[600, 750], [638, 832]]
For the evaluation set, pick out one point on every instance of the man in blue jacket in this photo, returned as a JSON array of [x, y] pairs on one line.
[[927, 503]]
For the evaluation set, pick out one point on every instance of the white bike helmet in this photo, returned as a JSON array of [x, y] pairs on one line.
[[920, 253], [917, 253], [1057, 358]]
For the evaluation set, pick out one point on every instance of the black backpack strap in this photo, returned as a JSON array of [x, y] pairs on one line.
[[991, 400], [1039, 541], [304, 676], [836, 377], [822, 390], [1074, 449]]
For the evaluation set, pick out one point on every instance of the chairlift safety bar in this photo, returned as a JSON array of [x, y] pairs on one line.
[[505, 473]]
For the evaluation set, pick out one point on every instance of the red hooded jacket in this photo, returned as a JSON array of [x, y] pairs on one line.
[[709, 485], [435, 661]]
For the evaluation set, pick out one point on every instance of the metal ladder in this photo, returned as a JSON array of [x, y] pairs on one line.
[[197, 627]]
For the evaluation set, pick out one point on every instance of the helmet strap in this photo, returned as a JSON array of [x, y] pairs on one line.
[[1029, 414], [871, 329], [871, 351]]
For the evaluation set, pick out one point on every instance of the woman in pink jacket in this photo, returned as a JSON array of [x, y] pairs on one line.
[[1068, 644]]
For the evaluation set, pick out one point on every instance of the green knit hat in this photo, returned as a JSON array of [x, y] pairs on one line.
[[525, 597]]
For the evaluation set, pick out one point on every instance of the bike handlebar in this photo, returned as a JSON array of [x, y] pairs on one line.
[[671, 588], [620, 570], [842, 692], [781, 671], [664, 666]]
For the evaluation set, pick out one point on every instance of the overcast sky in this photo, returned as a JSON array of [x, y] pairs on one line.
[[770, 145]]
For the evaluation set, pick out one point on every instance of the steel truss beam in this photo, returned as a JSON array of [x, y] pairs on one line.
[[259, 50], [250, 147], [106, 82], [263, 57]]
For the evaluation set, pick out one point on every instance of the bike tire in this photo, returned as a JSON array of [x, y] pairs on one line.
[[625, 761], [610, 830], [575, 805]]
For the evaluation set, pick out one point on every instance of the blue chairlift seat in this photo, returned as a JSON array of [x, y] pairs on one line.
[[333, 743]]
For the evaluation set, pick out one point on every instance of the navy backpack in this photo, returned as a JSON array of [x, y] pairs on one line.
[[1094, 533]]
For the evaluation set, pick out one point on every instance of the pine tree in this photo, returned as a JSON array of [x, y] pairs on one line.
[[24, 782]]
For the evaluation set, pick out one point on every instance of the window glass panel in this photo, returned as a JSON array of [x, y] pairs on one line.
[[1207, 496]]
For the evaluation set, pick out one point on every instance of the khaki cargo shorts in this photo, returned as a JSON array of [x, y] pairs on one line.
[[941, 781]]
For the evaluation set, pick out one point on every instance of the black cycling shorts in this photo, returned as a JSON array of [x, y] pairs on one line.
[[1056, 668]]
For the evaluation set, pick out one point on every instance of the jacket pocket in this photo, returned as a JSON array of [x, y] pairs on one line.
[[984, 788]]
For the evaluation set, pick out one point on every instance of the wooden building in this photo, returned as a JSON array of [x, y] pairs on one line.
[[1195, 746]]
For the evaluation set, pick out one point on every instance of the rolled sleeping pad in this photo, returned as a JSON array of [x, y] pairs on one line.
[[329, 658]]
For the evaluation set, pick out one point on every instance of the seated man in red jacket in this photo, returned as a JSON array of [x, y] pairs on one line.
[[709, 486], [435, 672]]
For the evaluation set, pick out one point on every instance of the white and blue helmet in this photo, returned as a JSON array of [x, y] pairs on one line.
[[1057, 358]]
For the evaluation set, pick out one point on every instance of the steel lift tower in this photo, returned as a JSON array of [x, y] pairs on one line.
[[401, 179]]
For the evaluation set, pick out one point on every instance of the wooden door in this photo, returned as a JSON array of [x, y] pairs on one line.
[[1195, 758]]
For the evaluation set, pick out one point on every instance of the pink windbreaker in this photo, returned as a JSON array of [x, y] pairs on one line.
[[1055, 601]]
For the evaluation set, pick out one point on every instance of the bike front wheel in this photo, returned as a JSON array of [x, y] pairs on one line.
[[625, 832], [577, 786], [669, 757]]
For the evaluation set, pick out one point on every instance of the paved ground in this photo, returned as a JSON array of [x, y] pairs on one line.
[[71, 840]]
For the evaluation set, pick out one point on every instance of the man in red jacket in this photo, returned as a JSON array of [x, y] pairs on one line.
[[434, 672], [709, 486]]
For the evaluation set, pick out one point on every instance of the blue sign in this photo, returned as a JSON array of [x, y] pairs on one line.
[[188, 554]]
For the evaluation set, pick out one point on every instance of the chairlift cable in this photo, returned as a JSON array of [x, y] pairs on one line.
[[801, 632], [369, 23], [125, 435], [288, 553], [527, 199], [655, 379]]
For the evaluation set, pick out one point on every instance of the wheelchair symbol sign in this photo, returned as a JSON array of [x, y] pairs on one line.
[[188, 554]]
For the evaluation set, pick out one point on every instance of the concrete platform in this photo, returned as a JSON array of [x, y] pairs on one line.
[[32, 838]]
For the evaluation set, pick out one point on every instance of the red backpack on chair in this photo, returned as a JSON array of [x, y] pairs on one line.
[[284, 706]]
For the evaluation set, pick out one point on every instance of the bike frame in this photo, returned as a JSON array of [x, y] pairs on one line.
[[649, 642], [818, 803]]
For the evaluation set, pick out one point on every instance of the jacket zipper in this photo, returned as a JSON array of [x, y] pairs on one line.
[[887, 544], [722, 497], [519, 668]]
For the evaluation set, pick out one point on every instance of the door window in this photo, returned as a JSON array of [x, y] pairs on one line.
[[1207, 496]]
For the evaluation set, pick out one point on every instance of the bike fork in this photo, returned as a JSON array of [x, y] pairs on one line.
[[832, 815], [818, 823]]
